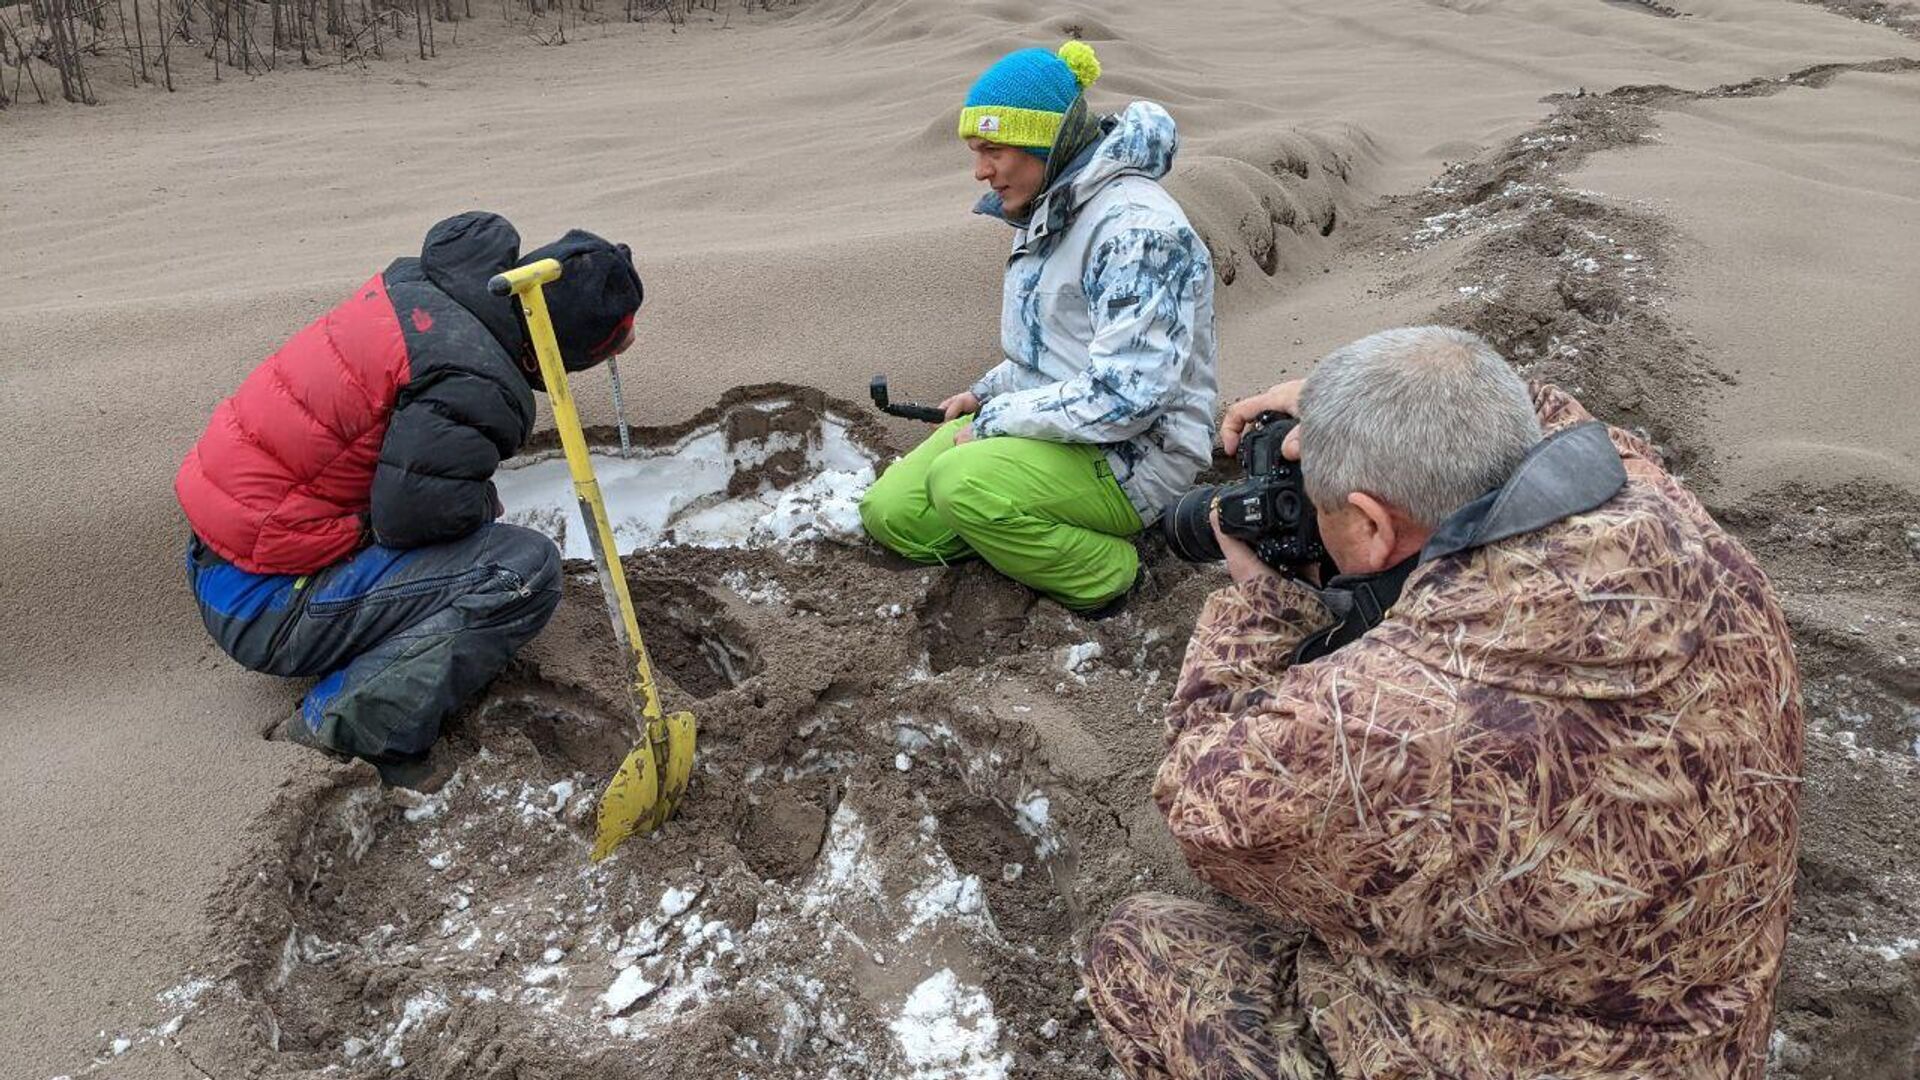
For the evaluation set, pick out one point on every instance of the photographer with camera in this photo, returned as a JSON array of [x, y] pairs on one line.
[[1517, 788]]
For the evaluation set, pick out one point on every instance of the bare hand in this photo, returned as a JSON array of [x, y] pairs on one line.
[[1242, 564], [961, 404], [963, 436], [1283, 398]]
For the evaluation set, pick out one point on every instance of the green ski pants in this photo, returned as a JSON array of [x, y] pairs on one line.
[[1048, 515]]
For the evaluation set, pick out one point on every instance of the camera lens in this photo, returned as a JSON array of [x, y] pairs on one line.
[[1188, 528]]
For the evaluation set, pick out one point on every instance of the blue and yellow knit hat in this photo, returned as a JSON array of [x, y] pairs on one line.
[[1022, 98]]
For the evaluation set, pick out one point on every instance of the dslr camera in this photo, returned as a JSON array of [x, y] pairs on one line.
[[1268, 508]]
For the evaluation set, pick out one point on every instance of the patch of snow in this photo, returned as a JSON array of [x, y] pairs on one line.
[[418, 1010], [947, 896], [680, 493], [677, 900], [1033, 810], [542, 974], [765, 591], [1899, 949], [946, 1029], [845, 867], [1033, 816], [627, 990], [356, 817], [428, 807], [1434, 227], [1079, 656], [186, 995]]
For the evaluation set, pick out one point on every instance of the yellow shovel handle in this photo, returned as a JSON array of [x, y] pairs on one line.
[[525, 282]]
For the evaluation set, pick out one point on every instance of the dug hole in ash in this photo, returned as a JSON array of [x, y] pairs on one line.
[[915, 789]]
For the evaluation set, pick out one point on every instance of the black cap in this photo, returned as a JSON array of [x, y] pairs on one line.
[[593, 303]]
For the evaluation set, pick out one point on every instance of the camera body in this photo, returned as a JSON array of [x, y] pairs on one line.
[[1268, 508]]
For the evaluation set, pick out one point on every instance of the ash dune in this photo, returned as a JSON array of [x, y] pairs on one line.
[[1815, 310]]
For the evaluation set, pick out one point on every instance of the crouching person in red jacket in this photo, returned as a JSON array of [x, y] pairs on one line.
[[342, 501]]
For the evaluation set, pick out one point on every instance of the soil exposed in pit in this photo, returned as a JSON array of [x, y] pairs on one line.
[[915, 787], [917, 790]]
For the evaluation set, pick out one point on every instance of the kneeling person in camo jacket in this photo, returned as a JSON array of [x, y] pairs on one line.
[[342, 504], [1101, 412], [1535, 818]]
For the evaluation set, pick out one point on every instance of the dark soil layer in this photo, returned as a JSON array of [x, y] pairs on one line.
[[899, 775]]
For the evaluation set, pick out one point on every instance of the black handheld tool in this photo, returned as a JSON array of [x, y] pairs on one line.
[[911, 412]]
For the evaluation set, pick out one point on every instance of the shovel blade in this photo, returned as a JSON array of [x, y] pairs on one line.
[[631, 800], [647, 787], [681, 732]]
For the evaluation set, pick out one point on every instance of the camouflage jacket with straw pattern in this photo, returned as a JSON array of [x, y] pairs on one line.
[[1541, 821]]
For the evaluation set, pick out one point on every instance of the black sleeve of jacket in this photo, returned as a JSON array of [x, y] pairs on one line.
[[447, 434]]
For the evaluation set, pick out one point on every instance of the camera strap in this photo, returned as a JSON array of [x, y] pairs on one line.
[[1359, 602]]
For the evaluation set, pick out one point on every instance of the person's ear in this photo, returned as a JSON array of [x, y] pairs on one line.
[[1375, 534]]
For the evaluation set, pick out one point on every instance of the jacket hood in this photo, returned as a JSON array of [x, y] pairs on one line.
[[592, 305], [461, 255], [1569, 581], [1139, 141], [1569, 472]]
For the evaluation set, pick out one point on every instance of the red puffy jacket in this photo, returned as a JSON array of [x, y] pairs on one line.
[[383, 420], [280, 481]]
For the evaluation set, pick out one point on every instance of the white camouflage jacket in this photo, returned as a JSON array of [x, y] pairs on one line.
[[1107, 319]]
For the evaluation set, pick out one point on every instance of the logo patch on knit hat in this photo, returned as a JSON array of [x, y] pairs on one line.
[[989, 125]]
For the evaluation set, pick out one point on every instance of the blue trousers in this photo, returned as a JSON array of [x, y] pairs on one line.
[[400, 638]]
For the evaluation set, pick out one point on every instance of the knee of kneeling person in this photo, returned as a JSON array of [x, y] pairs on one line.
[[534, 559], [877, 510], [1129, 921], [1115, 960], [955, 485], [886, 519]]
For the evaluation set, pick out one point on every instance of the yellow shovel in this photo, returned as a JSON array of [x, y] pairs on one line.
[[649, 784]]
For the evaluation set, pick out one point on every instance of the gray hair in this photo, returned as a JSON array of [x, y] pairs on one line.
[[1426, 418]]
